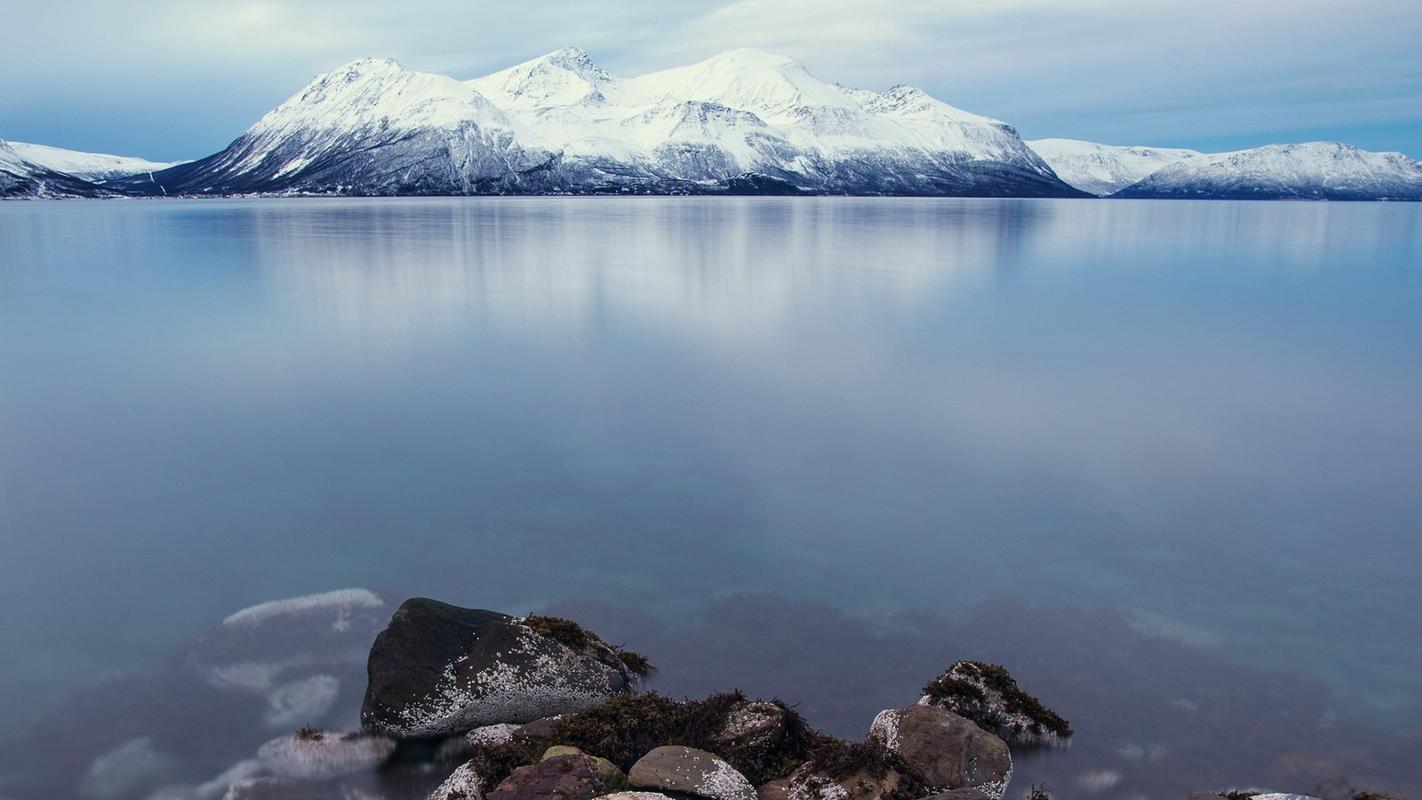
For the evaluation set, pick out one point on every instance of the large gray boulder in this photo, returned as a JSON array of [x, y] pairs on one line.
[[946, 750], [690, 771], [438, 670]]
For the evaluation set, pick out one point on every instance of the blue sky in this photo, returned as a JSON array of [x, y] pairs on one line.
[[180, 78]]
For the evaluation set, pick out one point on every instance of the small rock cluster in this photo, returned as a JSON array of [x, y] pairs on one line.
[[502, 708]]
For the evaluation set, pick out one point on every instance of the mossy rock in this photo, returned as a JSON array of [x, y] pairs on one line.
[[988, 695]]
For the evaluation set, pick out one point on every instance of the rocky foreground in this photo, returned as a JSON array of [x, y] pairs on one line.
[[465, 704]]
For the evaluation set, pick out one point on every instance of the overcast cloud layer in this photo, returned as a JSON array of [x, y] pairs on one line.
[[180, 78]]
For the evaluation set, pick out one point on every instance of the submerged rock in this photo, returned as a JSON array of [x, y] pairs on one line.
[[292, 657], [571, 776], [988, 695], [216, 787], [439, 669], [946, 750], [257, 647], [317, 755], [126, 769], [690, 771], [300, 701]]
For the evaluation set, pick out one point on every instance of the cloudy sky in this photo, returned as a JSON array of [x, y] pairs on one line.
[[180, 78]]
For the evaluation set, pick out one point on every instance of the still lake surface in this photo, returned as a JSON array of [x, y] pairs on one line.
[[1162, 459]]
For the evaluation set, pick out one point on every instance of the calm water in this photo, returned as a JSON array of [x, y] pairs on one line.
[[1163, 459]]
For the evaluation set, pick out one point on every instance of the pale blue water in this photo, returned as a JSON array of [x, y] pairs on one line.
[[1196, 424]]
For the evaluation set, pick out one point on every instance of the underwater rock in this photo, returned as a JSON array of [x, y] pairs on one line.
[[301, 701], [565, 777], [214, 788], [125, 770], [439, 669], [988, 695], [257, 647], [690, 771], [316, 755], [634, 795], [946, 750]]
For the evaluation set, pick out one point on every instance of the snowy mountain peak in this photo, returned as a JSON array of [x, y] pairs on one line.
[[365, 66], [564, 77], [1104, 169], [769, 85], [1311, 170], [561, 123]]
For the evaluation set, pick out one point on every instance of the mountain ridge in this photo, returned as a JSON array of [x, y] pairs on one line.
[[559, 123], [744, 121]]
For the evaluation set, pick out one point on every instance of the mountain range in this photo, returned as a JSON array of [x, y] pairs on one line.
[[742, 122]]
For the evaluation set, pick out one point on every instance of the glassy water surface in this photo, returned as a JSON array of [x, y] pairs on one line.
[[1160, 458]]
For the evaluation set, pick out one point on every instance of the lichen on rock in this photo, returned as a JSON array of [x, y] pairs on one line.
[[988, 695], [687, 770], [438, 669]]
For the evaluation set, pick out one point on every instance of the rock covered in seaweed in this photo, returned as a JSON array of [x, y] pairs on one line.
[[687, 770], [988, 695], [439, 669], [946, 750], [317, 755]]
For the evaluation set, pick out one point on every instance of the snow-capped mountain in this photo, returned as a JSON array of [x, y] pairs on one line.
[[1104, 169], [93, 167], [21, 178], [1310, 171], [369, 127], [742, 120]]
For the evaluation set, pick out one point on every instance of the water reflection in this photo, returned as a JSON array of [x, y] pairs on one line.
[[1197, 419]]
